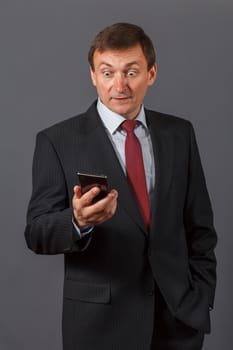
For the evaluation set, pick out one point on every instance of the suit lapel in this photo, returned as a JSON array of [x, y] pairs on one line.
[[98, 156], [163, 148]]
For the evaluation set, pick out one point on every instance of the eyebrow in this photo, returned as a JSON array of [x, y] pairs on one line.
[[127, 65]]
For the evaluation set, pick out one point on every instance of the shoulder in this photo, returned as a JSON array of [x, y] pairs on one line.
[[168, 121], [64, 125], [74, 125]]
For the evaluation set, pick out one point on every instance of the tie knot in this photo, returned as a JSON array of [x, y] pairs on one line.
[[129, 125]]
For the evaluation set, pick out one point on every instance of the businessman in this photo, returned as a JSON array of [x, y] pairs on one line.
[[140, 269]]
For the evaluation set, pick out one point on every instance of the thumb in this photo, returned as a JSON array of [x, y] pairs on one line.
[[77, 192]]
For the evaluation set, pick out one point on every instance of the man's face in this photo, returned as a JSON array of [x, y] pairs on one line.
[[121, 78]]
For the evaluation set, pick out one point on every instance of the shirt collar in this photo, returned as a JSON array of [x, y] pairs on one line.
[[112, 120]]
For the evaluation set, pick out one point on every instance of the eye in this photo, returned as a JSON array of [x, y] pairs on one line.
[[107, 74], [131, 73]]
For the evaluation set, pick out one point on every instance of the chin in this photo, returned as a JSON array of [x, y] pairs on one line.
[[121, 111]]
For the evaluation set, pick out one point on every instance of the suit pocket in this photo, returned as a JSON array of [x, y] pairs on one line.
[[194, 310], [87, 292]]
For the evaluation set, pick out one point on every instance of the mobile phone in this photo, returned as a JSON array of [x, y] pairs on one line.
[[87, 181]]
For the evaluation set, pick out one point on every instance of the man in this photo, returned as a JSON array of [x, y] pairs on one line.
[[139, 263]]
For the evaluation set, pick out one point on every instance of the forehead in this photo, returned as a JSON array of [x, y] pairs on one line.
[[116, 57]]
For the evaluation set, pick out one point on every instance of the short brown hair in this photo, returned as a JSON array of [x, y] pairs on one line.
[[122, 36]]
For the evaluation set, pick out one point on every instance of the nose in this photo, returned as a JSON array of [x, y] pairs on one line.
[[120, 83]]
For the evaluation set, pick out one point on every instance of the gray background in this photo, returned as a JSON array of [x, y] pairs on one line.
[[44, 78]]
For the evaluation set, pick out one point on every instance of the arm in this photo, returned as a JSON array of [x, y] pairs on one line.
[[50, 229], [201, 235]]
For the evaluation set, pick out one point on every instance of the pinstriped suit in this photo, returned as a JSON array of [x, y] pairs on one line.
[[113, 277]]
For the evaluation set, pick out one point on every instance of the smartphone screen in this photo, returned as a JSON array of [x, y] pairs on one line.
[[87, 181]]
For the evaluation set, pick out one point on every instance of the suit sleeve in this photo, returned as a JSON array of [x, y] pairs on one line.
[[201, 235], [49, 227]]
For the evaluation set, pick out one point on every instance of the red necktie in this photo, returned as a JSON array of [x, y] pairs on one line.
[[135, 169]]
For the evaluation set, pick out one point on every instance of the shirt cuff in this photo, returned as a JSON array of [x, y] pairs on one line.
[[81, 232]]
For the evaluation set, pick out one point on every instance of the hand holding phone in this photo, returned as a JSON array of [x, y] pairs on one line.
[[86, 214]]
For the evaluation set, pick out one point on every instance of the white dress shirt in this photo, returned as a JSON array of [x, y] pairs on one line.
[[117, 136]]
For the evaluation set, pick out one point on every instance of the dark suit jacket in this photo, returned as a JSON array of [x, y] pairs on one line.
[[110, 276]]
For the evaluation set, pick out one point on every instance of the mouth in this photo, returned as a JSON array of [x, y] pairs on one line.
[[121, 98]]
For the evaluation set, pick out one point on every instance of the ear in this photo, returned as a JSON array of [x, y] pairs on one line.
[[93, 76], [152, 74]]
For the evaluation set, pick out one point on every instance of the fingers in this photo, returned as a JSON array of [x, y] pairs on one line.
[[104, 208], [87, 213], [87, 198]]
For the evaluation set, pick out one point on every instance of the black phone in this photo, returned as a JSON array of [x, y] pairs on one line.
[[87, 181]]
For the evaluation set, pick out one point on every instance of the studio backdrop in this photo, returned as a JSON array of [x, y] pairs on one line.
[[44, 78]]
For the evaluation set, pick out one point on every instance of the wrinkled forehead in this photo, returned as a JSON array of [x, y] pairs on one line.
[[119, 57]]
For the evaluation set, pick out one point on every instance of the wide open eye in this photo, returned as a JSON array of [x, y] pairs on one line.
[[131, 73], [107, 73]]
